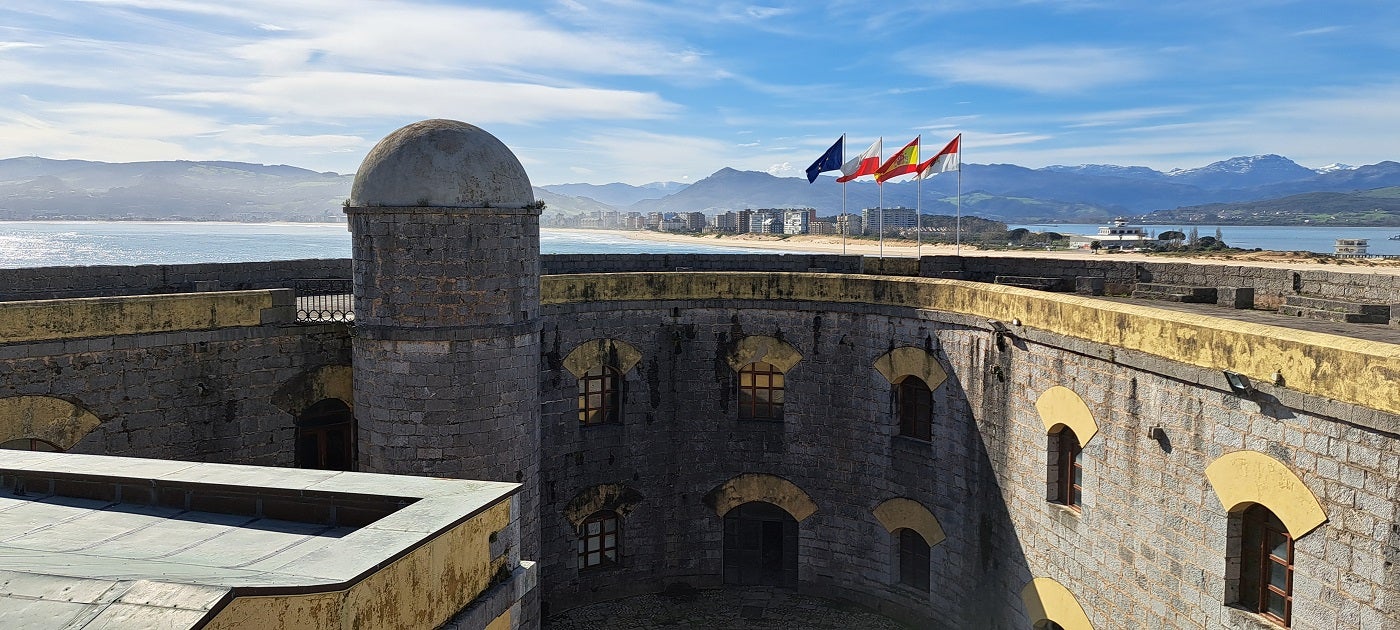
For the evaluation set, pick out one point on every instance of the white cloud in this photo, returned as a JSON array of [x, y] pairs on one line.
[[1045, 69], [785, 169], [639, 157], [409, 38], [321, 96]]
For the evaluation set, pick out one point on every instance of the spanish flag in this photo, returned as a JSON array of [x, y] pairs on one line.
[[906, 161]]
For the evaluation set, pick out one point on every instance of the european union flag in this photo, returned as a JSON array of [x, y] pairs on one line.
[[829, 161]]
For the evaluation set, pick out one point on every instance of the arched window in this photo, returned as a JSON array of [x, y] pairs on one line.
[[760, 392], [326, 436], [598, 538], [599, 397], [913, 559], [31, 444], [914, 403], [1066, 474], [1266, 565]]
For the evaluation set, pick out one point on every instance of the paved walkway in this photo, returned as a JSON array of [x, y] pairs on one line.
[[722, 609]]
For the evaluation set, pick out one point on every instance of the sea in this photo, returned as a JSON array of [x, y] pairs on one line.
[[65, 243]]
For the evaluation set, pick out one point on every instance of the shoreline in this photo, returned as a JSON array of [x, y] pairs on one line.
[[825, 244]]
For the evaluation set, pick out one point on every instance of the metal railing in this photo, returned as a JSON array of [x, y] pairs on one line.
[[324, 299]]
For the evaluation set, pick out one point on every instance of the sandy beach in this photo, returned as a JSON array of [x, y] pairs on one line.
[[813, 244]]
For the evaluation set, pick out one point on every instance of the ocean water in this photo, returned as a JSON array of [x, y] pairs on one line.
[[62, 243], [1270, 237]]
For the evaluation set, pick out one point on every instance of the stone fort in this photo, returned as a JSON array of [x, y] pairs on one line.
[[954, 442]]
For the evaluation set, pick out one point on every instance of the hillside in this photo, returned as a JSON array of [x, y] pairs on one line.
[[1266, 188], [1376, 207]]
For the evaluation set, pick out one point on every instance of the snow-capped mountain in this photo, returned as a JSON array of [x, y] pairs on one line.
[[1335, 166], [1242, 172]]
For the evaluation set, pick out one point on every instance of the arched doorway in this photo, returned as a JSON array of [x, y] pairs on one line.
[[760, 546], [326, 436]]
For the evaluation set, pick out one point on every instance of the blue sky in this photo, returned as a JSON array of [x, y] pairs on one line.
[[632, 91]]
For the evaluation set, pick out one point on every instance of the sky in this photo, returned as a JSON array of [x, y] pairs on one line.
[[636, 92]]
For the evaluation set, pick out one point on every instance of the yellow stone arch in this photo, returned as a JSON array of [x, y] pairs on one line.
[[614, 353], [770, 350], [52, 420], [1061, 406], [911, 361], [1244, 477], [1048, 600], [310, 387], [616, 497], [773, 489], [902, 513]]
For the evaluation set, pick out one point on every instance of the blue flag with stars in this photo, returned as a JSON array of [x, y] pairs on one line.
[[829, 161]]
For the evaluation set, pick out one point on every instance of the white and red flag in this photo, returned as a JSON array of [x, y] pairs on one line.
[[947, 160], [867, 163]]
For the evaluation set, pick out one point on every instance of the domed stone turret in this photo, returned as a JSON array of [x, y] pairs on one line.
[[441, 163], [446, 252]]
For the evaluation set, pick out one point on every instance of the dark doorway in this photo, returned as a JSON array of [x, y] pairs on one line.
[[760, 546], [326, 436]]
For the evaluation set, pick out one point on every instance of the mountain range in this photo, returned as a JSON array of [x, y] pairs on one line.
[[34, 187]]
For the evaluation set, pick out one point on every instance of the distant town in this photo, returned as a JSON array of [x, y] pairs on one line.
[[897, 222]]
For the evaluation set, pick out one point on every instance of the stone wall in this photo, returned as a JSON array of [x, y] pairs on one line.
[[837, 442], [1270, 284], [1147, 549], [46, 283], [612, 263], [217, 395]]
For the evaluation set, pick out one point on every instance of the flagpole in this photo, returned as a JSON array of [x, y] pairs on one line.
[[847, 228], [919, 217], [881, 206], [959, 221]]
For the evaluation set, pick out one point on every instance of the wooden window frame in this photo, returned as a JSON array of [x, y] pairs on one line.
[[1261, 533], [913, 400], [1067, 469], [761, 392], [595, 556], [603, 385], [31, 444]]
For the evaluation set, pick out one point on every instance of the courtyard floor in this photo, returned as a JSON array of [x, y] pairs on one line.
[[722, 609]]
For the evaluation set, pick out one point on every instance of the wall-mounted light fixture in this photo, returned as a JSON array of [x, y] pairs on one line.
[[1239, 383]]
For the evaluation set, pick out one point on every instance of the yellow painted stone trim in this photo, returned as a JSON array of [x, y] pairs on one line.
[[46, 320], [614, 353], [422, 589], [902, 513], [613, 497], [333, 381], [52, 420], [773, 489], [1355, 371], [910, 361], [1061, 406], [759, 348], [500, 623], [1244, 477], [1048, 600]]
